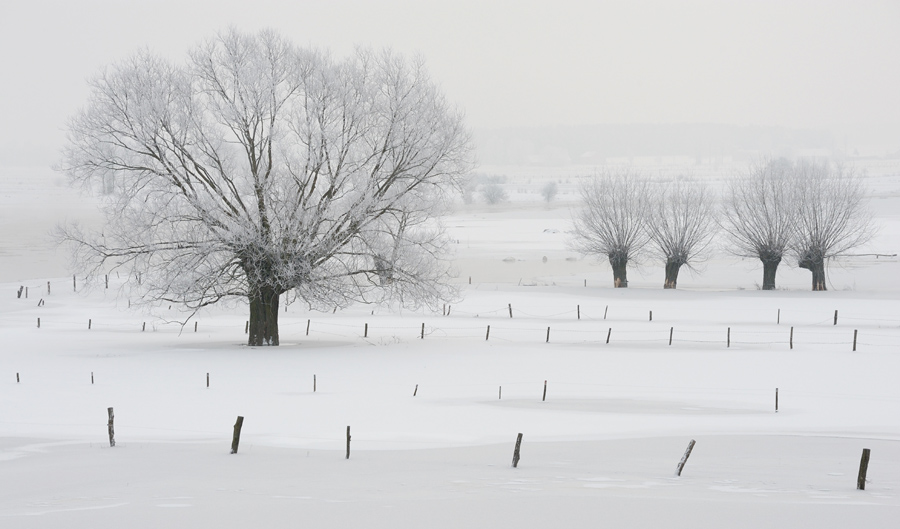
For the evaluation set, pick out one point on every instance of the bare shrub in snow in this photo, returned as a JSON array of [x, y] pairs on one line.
[[831, 216], [681, 226], [549, 191], [612, 219], [493, 193], [759, 214], [257, 169]]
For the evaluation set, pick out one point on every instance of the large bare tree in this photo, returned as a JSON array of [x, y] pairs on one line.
[[831, 216], [256, 168], [611, 220], [681, 225], [759, 214]]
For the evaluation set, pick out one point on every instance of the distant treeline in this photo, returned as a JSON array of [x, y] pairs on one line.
[[564, 145]]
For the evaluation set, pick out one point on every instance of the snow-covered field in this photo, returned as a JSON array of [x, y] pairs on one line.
[[434, 414]]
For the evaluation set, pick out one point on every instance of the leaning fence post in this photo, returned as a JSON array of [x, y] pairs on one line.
[[608, 335], [854, 338], [545, 392], [110, 428], [516, 451], [863, 468], [236, 437], [510, 310], [671, 330], [684, 458], [488, 333]]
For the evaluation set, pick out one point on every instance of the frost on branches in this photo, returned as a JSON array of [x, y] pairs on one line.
[[257, 169]]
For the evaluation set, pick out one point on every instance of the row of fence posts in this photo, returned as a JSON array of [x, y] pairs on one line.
[[239, 424]]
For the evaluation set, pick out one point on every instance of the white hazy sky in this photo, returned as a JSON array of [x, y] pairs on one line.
[[819, 64]]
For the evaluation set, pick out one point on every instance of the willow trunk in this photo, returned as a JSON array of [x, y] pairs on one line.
[[264, 316]]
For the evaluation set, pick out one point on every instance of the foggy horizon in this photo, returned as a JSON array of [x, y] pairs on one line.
[[820, 68]]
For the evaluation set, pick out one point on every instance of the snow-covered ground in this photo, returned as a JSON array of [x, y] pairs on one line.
[[434, 415]]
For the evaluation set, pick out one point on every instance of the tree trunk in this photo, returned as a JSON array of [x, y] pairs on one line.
[[817, 267], [619, 266], [264, 316], [770, 266], [672, 268]]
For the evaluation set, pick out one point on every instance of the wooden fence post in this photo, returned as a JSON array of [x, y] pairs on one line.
[[366, 331], [671, 330], [863, 468], [195, 326], [516, 451], [835, 317], [776, 400], [314, 383], [89, 324], [236, 436], [791, 342], [48, 288], [500, 393], [416, 390], [778, 321], [729, 338], [17, 378], [605, 311], [422, 335], [110, 428], [39, 322], [92, 377], [548, 335], [684, 458], [247, 327], [144, 327], [608, 335], [579, 311], [207, 380], [545, 392], [651, 316], [510, 310], [348, 443], [488, 333], [74, 289], [854, 338]]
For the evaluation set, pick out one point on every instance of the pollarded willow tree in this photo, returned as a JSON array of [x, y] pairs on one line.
[[681, 225], [612, 219], [831, 216], [759, 214], [257, 169]]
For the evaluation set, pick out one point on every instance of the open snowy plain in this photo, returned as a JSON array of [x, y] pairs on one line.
[[435, 401]]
